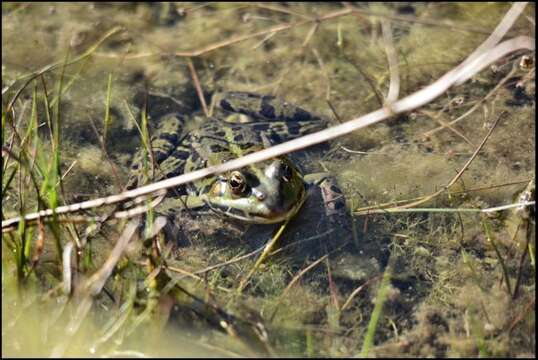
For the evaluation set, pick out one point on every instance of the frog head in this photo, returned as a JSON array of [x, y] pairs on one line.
[[264, 193]]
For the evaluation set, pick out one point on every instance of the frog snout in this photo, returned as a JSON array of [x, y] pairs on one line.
[[278, 171]]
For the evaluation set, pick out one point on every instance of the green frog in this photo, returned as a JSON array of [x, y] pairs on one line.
[[236, 209], [240, 123]]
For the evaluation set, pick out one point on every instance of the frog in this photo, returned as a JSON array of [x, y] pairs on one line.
[[265, 193], [243, 208]]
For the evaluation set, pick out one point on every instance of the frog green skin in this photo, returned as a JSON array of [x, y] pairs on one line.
[[241, 123]]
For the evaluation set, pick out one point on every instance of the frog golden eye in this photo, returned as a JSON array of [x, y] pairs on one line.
[[237, 182], [286, 172]]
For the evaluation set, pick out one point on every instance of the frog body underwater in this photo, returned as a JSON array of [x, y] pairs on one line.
[[267, 192]]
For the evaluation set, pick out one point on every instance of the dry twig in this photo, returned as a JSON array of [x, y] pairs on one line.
[[392, 57], [450, 183], [198, 87], [475, 106]]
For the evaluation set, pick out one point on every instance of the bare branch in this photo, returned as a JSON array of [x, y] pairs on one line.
[[198, 87], [475, 106]]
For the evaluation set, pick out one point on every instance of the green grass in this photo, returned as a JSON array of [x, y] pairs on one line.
[[376, 313]]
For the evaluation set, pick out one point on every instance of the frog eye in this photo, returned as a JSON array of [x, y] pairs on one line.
[[237, 182], [286, 172]]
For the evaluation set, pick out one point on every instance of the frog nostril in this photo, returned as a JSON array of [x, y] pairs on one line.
[[260, 195], [286, 172]]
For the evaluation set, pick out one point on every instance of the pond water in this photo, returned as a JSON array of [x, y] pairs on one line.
[[440, 283]]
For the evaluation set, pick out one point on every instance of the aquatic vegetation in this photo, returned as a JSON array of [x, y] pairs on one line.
[[435, 268]]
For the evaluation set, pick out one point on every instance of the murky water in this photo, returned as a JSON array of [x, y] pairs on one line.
[[447, 295]]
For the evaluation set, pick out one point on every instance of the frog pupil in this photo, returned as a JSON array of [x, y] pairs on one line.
[[237, 183]]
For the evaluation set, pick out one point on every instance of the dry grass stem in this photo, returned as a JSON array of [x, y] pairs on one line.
[[96, 282], [522, 315], [325, 75], [240, 38], [458, 175], [476, 106], [307, 19], [231, 261], [523, 257], [250, 254], [278, 8], [311, 33], [266, 253], [198, 87], [445, 124], [446, 187], [262, 41], [192, 275], [358, 290], [237, 39], [392, 57], [293, 282], [509, 206]]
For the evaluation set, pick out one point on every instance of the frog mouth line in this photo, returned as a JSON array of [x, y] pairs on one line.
[[258, 218]]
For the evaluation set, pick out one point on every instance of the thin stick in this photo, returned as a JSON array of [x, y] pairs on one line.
[[454, 179], [522, 259], [392, 57], [240, 38], [445, 210], [293, 282], [307, 20], [369, 80], [252, 253], [266, 252], [458, 175], [231, 261], [262, 41], [471, 110], [445, 124], [192, 275], [276, 28], [326, 76], [311, 33], [116, 215], [199, 91], [489, 187], [277, 8], [491, 240], [522, 315], [357, 291]]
